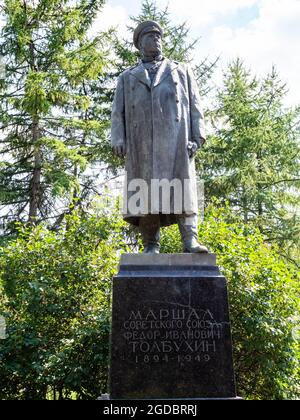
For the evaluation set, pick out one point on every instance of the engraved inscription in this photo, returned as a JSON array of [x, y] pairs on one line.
[[184, 335]]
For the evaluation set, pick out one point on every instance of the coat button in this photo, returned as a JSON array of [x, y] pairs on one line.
[[177, 119], [177, 100]]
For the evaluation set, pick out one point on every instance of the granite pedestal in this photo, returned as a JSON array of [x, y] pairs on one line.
[[170, 329]]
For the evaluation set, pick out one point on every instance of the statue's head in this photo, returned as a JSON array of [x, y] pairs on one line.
[[147, 38]]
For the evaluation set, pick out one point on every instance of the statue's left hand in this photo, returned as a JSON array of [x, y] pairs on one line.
[[192, 148]]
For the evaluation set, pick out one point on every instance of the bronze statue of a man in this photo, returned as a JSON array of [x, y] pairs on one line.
[[157, 124]]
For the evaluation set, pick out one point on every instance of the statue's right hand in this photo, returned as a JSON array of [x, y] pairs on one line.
[[119, 150]]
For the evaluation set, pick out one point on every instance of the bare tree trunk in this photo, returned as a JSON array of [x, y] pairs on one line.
[[35, 184], [60, 393], [245, 206], [259, 191]]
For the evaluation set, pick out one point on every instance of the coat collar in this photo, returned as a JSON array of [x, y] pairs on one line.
[[164, 71], [141, 74]]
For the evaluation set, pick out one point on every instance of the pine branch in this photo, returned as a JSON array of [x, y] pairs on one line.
[[281, 181]]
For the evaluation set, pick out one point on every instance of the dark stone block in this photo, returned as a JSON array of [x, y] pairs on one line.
[[170, 329]]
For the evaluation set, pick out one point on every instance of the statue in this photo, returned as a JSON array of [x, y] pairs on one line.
[[158, 125]]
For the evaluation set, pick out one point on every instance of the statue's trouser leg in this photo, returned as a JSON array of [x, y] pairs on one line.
[[188, 227], [149, 227]]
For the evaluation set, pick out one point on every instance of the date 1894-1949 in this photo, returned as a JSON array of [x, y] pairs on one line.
[[166, 358]]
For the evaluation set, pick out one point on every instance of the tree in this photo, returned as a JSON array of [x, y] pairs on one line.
[[48, 136], [55, 297], [252, 159]]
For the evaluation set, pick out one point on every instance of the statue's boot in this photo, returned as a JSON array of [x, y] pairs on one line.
[[150, 230], [189, 234]]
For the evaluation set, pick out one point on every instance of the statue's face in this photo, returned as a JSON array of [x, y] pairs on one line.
[[151, 44]]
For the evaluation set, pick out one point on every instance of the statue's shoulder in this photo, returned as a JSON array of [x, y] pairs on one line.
[[130, 69], [178, 64], [180, 68]]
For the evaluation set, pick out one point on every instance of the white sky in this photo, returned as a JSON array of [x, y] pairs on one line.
[[261, 32]]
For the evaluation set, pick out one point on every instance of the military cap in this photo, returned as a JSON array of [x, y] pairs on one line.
[[145, 27]]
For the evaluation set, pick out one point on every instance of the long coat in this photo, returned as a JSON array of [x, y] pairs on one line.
[[155, 121]]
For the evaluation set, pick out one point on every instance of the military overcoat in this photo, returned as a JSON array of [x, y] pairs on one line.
[[155, 121]]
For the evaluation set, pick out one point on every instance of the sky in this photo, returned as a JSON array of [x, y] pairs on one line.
[[261, 32]]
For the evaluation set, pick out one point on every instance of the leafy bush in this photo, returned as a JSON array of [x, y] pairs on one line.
[[56, 300], [264, 304]]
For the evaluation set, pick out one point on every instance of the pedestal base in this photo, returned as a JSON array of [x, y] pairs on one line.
[[170, 329]]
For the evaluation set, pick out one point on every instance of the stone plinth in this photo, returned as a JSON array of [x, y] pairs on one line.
[[170, 329]]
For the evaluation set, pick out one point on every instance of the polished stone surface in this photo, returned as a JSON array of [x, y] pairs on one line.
[[172, 260], [170, 329]]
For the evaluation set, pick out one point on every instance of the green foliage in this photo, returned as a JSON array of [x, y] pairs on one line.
[[264, 302], [56, 291], [51, 68], [55, 280], [56, 302], [252, 159]]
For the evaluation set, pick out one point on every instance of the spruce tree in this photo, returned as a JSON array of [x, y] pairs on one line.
[[252, 159], [48, 133]]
